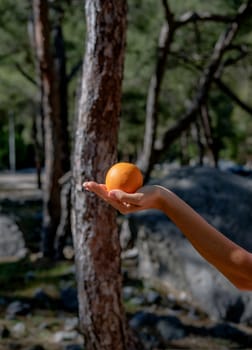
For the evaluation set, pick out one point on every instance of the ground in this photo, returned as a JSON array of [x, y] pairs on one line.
[[48, 324]]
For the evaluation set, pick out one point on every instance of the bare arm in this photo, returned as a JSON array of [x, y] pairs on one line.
[[229, 258]]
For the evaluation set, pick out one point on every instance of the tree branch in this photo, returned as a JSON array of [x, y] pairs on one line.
[[242, 52], [189, 17], [25, 74], [4, 56], [74, 71], [233, 96], [207, 77], [168, 13]]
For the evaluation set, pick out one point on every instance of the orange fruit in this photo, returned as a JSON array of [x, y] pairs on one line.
[[124, 176]]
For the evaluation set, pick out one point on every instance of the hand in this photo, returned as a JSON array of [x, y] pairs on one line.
[[125, 203]]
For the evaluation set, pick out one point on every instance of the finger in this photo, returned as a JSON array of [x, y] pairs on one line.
[[129, 198], [116, 198], [99, 189], [94, 187], [123, 208]]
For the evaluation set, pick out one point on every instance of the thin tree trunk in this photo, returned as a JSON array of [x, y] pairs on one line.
[[208, 131], [94, 226], [12, 142], [38, 118], [61, 90], [37, 146], [196, 127], [146, 158], [53, 126], [184, 157]]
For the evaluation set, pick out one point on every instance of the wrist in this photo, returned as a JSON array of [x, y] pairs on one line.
[[163, 197], [159, 197]]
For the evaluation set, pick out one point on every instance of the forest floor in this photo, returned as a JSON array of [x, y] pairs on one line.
[[42, 319]]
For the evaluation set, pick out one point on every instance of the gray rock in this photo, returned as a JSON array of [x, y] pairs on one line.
[[128, 292], [152, 297], [225, 201], [170, 328], [19, 330], [17, 308], [61, 336], [71, 323], [12, 243], [138, 300]]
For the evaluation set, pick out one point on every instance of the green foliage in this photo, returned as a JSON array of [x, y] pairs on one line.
[[74, 36], [142, 34], [221, 116], [191, 50], [14, 279], [18, 94]]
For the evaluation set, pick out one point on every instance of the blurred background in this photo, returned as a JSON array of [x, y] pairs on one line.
[[186, 116]]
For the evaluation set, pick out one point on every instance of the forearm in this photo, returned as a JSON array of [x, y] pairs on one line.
[[232, 260], [229, 258]]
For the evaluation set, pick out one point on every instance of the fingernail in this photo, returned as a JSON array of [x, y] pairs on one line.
[[84, 186]]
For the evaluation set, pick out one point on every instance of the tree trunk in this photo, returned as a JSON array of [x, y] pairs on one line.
[[64, 233], [211, 142], [64, 227], [38, 117], [37, 145], [12, 143], [196, 131], [55, 137], [147, 159], [94, 227], [184, 141]]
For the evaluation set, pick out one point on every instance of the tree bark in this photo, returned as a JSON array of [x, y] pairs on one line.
[[38, 117], [94, 226], [55, 137], [61, 90]]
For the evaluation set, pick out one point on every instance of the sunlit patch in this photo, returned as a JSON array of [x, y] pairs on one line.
[[127, 205], [237, 256]]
